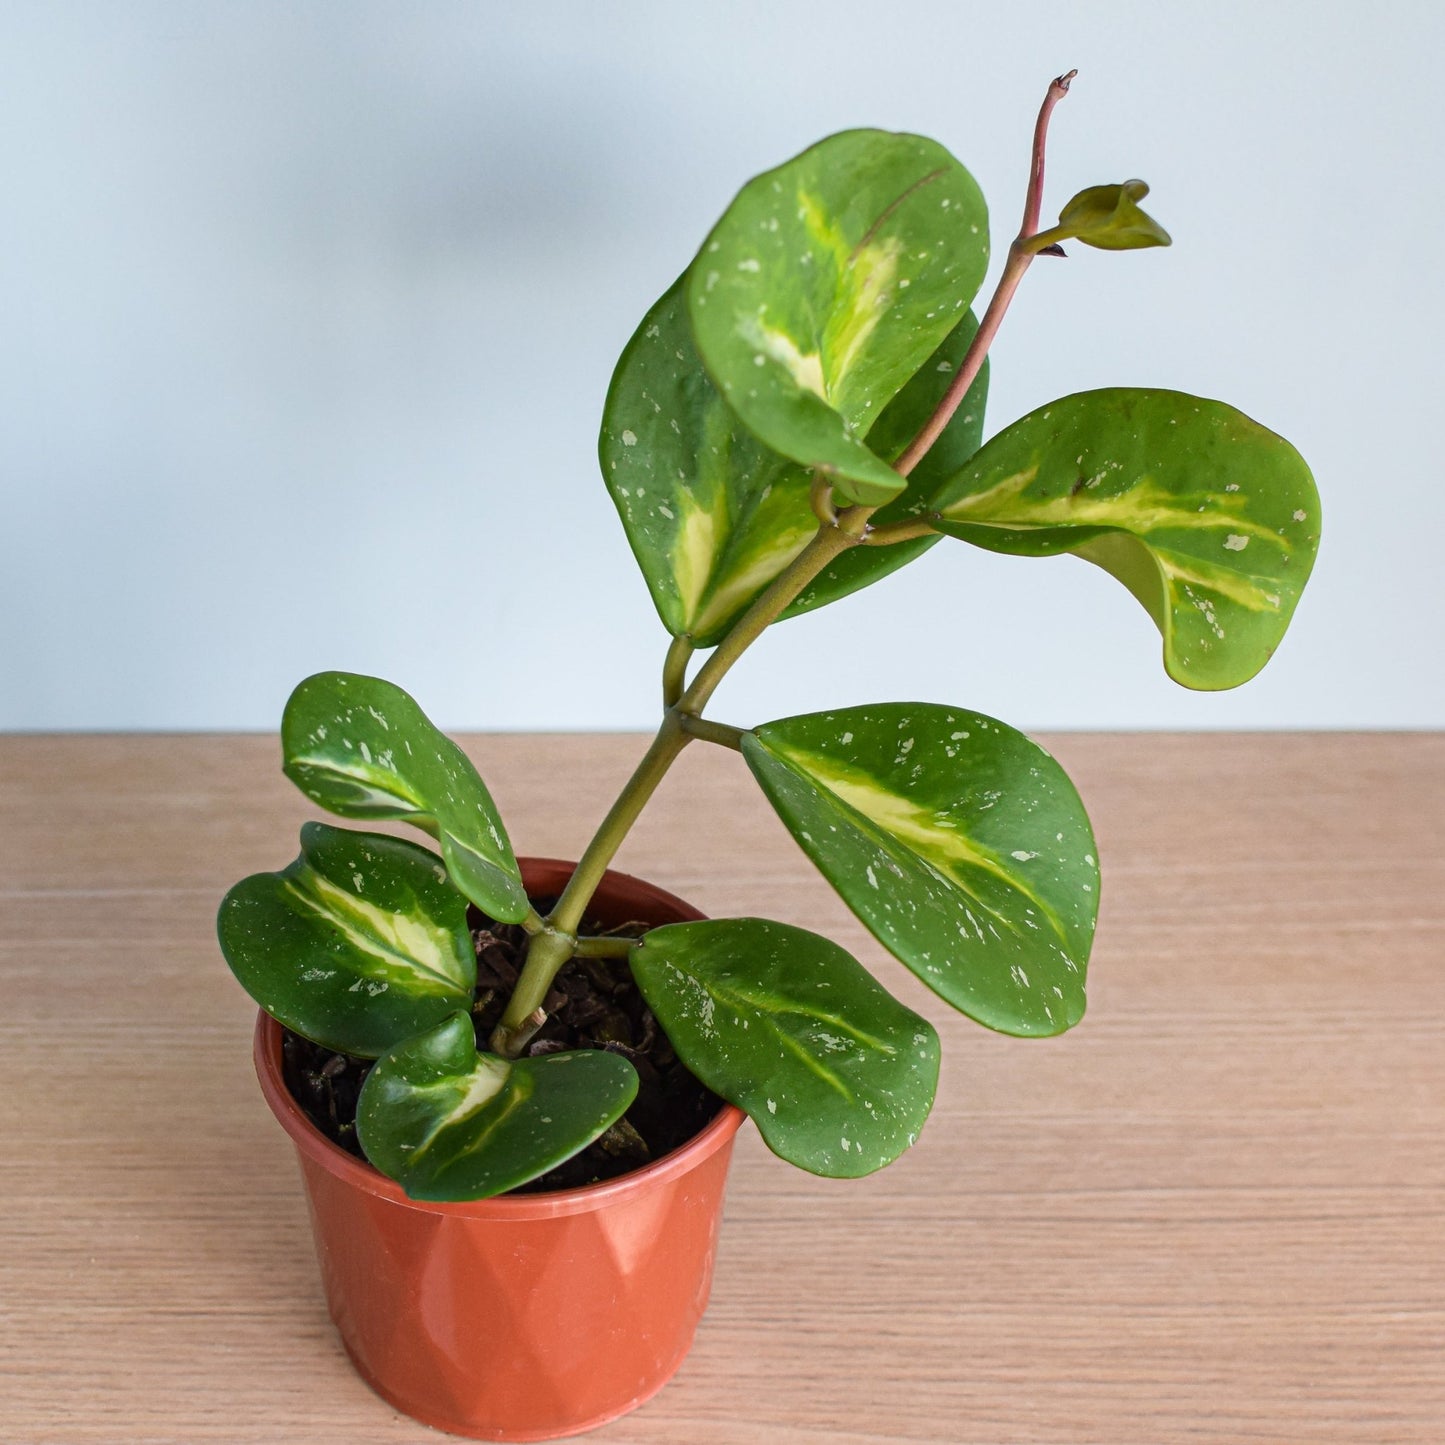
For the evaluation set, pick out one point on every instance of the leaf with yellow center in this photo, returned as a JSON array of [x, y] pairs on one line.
[[450, 1123], [836, 1073], [712, 514], [361, 747], [827, 284], [359, 943], [960, 843], [1209, 519]]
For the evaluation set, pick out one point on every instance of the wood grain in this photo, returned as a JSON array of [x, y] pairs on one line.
[[1216, 1211]]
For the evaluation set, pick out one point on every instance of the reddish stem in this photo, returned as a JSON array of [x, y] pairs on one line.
[[1018, 262], [1058, 89]]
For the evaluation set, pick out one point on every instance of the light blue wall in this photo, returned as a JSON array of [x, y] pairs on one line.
[[307, 312]]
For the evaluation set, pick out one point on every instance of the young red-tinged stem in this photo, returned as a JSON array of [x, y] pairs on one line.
[[682, 721], [1020, 256]]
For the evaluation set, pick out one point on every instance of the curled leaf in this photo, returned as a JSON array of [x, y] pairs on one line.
[[1109, 218], [449, 1123], [1208, 518], [362, 748]]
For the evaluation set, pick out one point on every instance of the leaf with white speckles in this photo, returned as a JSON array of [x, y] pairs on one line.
[[959, 842], [362, 748], [828, 283], [712, 514], [359, 943], [837, 1074], [1209, 519], [449, 1123]]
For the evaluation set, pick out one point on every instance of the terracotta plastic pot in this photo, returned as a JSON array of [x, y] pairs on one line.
[[526, 1317]]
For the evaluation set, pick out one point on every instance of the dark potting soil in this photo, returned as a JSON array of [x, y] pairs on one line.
[[594, 1004]]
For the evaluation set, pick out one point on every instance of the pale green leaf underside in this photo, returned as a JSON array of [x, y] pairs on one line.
[[359, 943], [959, 842], [712, 514], [1209, 519], [827, 284], [1109, 218], [362, 748], [836, 1073], [449, 1123]]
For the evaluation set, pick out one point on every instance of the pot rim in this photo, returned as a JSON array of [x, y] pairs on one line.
[[315, 1146]]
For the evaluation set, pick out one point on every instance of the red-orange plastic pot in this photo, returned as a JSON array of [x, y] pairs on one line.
[[526, 1317]]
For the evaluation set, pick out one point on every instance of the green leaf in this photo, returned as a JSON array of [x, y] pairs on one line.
[[838, 1075], [959, 842], [362, 748], [447, 1122], [712, 514], [359, 943], [1210, 520], [827, 284], [1109, 218]]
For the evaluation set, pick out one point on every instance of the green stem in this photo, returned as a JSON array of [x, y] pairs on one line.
[[820, 498], [548, 951], [674, 669], [603, 947], [827, 543], [904, 530], [723, 734]]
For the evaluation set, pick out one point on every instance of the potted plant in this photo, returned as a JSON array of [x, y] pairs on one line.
[[514, 1086]]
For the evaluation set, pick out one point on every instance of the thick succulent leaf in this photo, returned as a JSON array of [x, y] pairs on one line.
[[359, 943], [362, 748], [959, 842], [447, 1122], [827, 284], [1109, 218], [838, 1075], [1210, 520], [712, 514]]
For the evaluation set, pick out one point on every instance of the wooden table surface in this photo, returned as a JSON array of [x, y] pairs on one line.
[[1215, 1211]]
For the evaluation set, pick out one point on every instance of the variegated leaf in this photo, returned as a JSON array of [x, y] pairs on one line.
[[361, 942], [1210, 520], [362, 748], [836, 1073], [959, 842], [827, 284], [712, 514], [449, 1123]]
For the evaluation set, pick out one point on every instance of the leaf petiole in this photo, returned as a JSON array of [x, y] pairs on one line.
[[674, 668], [605, 947], [724, 734]]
